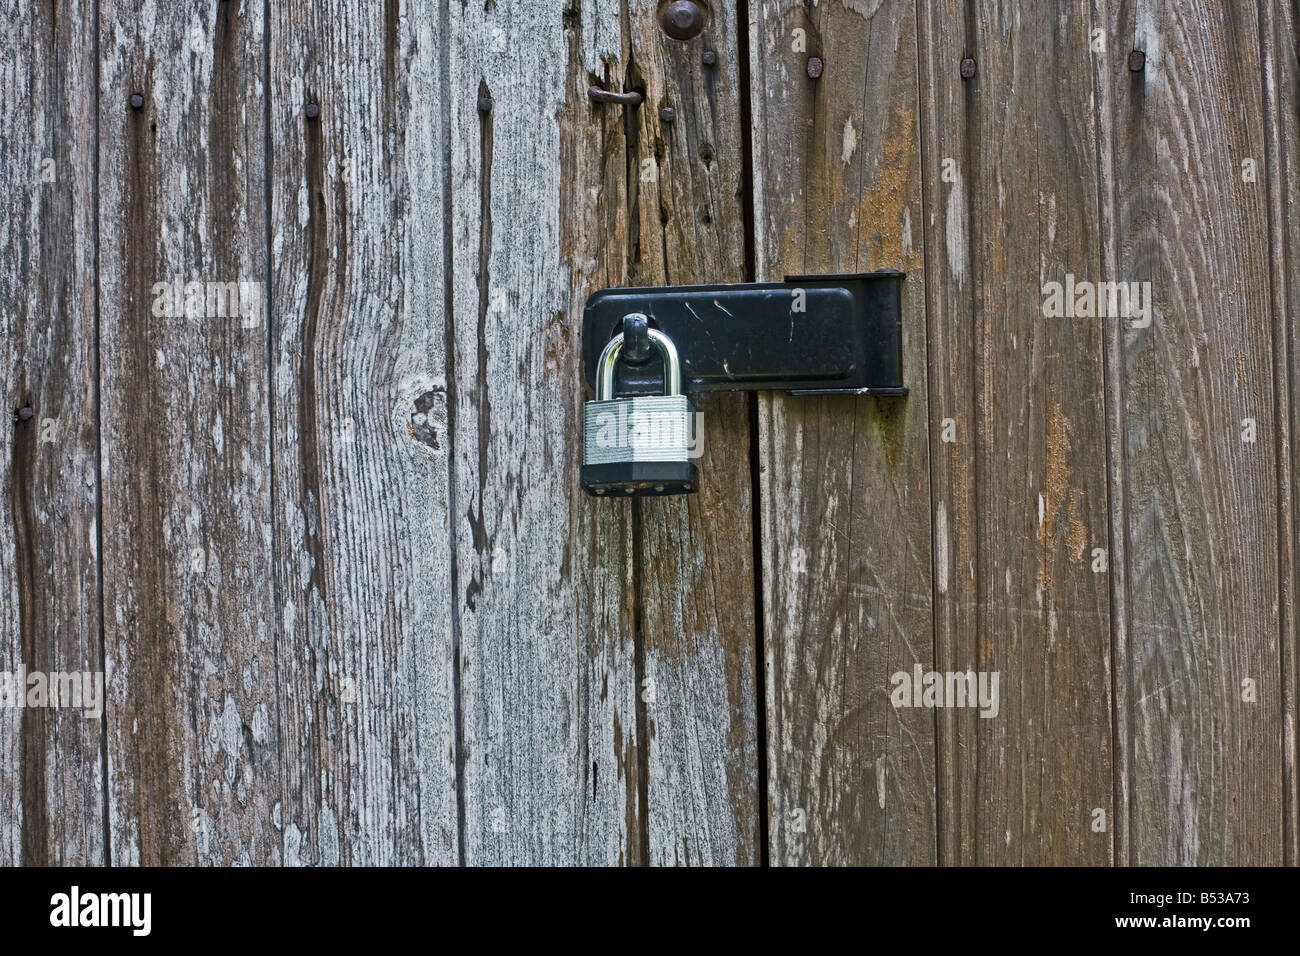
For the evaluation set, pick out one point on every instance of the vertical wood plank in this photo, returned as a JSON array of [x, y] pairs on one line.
[[1020, 481], [51, 779], [363, 569], [695, 555], [1204, 763], [552, 767], [1280, 45], [189, 622], [844, 481]]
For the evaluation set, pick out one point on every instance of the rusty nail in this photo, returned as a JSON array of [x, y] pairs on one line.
[[815, 67], [485, 104], [682, 19], [312, 111], [137, 101], [967, 68], [710, 58], [1137, 61], [668, 114], [24, 414], [597, 95]]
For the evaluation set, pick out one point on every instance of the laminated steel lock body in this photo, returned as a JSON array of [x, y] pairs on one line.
[[642, 445]]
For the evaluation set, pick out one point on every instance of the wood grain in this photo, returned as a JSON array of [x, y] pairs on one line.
[[51, 773], [844, 481], [360, 435], [189, 614], [542, 578], [327, 541], [1204, 588], [1281, 104], [1020, 481], [695, 555]]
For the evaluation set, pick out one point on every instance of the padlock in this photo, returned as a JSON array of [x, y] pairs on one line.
[[643, 444]]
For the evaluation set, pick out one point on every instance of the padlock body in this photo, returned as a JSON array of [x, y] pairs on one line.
[[643, 445]]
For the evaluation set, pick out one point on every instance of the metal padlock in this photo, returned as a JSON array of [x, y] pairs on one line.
[[643, 444]]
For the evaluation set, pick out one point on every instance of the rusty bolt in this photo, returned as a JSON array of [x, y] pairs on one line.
[[25, 413], [137, 101], [815, 67], [1137, 61], [485, 104], [710, 58], [682, 19], [668, 114], [312, 111], [967, 68]]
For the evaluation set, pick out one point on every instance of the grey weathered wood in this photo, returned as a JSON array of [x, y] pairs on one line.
[[359, 396], [189, 617], [695, 555], [1281, 51], [1204, 587], [844, 481], [542, 577], [1020, 482], [345, 561], [51, 779]]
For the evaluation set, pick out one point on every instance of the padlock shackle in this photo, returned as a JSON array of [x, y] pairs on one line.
[[609, 361]]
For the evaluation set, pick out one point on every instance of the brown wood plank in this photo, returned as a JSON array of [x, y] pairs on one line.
[[189, 617], [845, 494], [1204, 765], [1020, 486], [695, 554], [51, 774], [1280, 45], [363, 572], [542, 578]]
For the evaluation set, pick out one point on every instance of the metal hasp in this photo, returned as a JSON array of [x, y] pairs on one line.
[[808, 335]]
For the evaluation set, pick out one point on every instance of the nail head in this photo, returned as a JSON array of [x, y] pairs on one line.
[[1137, 61], [137, 101], [668, 114], [815, 67], [25, 413], [967, 68], [312, 111], [485, 104], [710, 58], [682, 19]]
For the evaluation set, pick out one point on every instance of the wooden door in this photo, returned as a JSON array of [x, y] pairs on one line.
[[291, 314]]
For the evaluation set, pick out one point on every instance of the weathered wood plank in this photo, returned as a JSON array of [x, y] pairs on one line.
[[1018, 434], [552, 767], [844, 481], [695, 555], [189, 618], [1204, 763], [51, 779], [1280, 46], [363, 571]]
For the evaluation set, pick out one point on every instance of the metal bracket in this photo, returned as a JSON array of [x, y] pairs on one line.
[[808, 335]]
